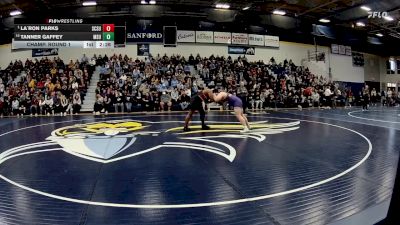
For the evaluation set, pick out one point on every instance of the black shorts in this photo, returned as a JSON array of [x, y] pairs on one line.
[[196, 103]]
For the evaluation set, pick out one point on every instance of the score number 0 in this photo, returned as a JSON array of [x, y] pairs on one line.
[[108, 27]]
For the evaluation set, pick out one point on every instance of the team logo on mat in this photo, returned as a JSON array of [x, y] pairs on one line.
[[141, 153], [106, 141]]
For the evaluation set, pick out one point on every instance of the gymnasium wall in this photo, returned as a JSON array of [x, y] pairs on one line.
[[342, 69], [341, 66], [387, 78], [372, 67]]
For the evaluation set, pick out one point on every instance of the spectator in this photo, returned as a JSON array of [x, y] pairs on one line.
[[118, 101], [328, 95], [98, 105], [128, 102], [373, 96], [15, 106], [34, 108], [64, 105], [76, 102], [165, 100], [184, 100]]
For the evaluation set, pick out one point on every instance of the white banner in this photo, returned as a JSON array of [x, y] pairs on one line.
[[222, 37], [240, 38], [256, 39], [188, 36], [204, 37], [271, 41]]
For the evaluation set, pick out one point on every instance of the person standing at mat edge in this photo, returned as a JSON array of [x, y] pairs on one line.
[[365, 99], [197, 103], [237, 105]]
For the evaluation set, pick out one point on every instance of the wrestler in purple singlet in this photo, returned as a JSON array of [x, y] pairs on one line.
[[234, 101]]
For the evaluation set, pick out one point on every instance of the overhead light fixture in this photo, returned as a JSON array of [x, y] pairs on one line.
[[89, 3], [388, 18], [366, 8], [360, 24], [15, 13], [324, 21], [152, 2], [279, 12], [246, 8], [143, 2], [222, 6], [379, 35]]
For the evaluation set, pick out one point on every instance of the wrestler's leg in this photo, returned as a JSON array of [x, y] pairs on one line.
[[202, 118], [247, 122], [240, 117], [187, 120]]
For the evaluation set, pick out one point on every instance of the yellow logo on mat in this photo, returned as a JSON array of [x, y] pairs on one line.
[[107, 128], [101, 141]]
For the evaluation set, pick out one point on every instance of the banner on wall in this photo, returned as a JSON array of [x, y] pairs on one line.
[[143, 49], [241, 50], [186, 36], [358, 59], [256, 39], [44, 52], [240, 38], [222, 38], [271, 41], [335, 48], [204, 37], [143, 35], [348, 50], [342, 49]]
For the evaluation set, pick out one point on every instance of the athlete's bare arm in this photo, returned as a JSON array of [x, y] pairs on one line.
[[220, 96], [209, 93]]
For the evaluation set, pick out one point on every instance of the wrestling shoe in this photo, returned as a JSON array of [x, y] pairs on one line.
[[246, 129], [205, 127]]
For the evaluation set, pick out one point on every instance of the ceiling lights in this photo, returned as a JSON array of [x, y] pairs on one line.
[[279, 12], [360, 24], [366, 8], [222, 6], [89, 3], [15, 13], [324, 21], [246, 8], [379, 35], [388, 18], [151, 2]]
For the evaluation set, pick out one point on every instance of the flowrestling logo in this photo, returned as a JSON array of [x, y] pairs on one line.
[[378, 15]]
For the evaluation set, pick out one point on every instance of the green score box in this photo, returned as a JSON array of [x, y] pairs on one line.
[[108, 36]]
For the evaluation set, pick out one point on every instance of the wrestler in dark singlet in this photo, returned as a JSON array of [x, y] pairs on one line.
[[197, 103]]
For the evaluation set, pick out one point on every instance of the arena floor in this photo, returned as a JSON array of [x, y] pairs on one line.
[[294, 167]]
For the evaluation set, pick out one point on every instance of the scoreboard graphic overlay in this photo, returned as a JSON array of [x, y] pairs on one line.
[[63, 33]]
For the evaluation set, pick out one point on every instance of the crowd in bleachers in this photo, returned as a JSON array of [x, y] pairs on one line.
[[168, 82], [44, 87], [49, 86]]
